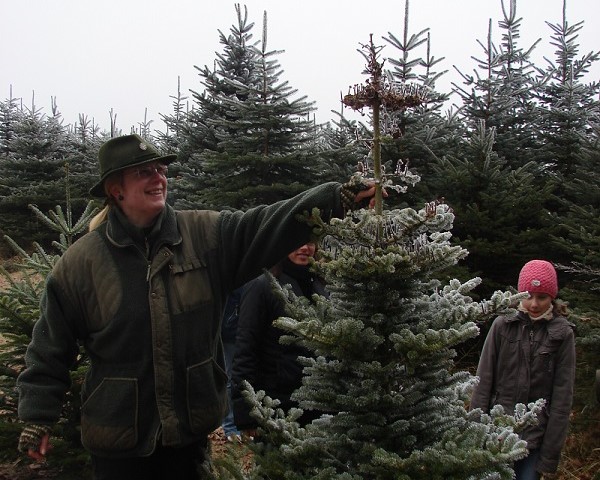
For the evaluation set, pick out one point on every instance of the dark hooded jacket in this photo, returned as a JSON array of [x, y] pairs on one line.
[[147, 309], [260, 358], [523, 361]]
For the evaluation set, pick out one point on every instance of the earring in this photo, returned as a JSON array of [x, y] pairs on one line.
[[120, 197]]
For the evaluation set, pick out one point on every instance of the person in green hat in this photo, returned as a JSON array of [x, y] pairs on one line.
[[143, 293]]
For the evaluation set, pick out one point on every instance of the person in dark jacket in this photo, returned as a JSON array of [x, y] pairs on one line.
[[259, 357], [528, 356], [143, 294]]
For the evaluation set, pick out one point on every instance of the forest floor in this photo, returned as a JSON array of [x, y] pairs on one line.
[[23, 469]]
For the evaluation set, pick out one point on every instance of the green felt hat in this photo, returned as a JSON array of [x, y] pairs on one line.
[[123, 152]]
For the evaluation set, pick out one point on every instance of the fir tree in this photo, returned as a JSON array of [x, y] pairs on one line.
[[503, 95], [393, 407], [498, 208], [85, 130], [234, 66], [423, 132], [19, 310], [568, 117], [567, 104], [338, 148], [261, 134], [197, 129], [509, 218], [144, 127], [33, 172], [10, 116], [580, 223], [169, 141], [42, 153]]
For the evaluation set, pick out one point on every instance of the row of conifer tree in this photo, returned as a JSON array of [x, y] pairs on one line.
[[515, 159]]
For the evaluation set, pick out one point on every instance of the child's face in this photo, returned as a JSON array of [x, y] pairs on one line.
[[302, 255], [537, 303]]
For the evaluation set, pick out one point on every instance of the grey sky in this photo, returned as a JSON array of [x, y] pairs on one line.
[[127, 54]]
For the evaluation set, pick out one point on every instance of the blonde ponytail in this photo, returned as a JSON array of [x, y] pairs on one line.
[[102, 215], [99, 218]]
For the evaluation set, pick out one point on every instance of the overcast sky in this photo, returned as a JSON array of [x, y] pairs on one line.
[[126, 55]]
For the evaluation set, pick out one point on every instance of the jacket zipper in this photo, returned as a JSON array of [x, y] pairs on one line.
[[147, 259], [531, 343]]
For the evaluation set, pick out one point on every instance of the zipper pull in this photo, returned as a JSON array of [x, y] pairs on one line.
[[148, 258], [531, 337]]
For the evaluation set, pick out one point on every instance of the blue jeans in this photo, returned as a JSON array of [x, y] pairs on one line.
[[525, 468], [228, 423]]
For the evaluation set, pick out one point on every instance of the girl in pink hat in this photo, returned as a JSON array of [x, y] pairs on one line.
[[527, 356]]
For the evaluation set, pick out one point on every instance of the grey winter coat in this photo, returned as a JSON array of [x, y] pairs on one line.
[[147, 311], [523, 361]]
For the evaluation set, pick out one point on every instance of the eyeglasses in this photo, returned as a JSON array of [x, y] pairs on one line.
[[147, 171]]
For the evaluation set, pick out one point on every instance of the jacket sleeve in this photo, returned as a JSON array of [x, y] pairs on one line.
[[258, 238], [49, 357], [486, 368], [560, 404], [253, 317]]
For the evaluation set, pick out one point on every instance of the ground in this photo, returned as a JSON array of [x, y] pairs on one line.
[[24, 470], [3, 282]]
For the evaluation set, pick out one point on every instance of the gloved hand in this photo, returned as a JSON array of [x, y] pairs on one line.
[[34, 441]]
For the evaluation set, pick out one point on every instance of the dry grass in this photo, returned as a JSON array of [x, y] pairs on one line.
[[581, 455]]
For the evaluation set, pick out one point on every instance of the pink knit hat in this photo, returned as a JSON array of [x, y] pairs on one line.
[[538, 276]]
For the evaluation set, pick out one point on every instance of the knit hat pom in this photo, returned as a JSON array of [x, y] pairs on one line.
[[538, 276]]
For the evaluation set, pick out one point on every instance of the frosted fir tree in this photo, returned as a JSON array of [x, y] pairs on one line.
[[393, 407]]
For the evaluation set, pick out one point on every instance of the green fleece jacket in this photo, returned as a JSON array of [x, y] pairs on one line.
[[147, 310]]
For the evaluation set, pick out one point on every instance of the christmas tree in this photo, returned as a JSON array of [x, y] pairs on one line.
[[19, 311], [393, 407], [249, 140]]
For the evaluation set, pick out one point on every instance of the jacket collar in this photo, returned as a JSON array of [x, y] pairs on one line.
[[522, 317], [164, 231]]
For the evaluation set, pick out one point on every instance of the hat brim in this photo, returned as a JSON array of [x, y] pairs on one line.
[[98, 189]]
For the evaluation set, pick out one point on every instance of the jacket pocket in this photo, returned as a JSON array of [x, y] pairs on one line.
[[547, 361], [206, 396], [547, 354], [109, 416], [190, 286]]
